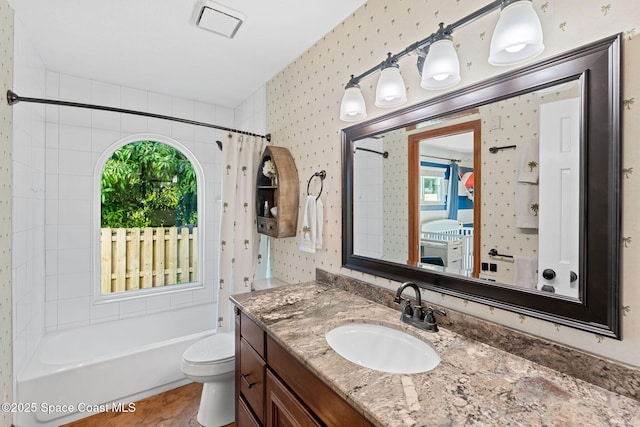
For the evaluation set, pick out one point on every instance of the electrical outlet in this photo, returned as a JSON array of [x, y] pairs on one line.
[[493, 267]]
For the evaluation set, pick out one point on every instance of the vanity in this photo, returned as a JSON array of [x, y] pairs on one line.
[[286, 370]]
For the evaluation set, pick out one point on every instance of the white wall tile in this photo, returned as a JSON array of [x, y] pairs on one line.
[[75, 89], [74, 138], [74, 285], [108, 95], [133, 99], [75, 212], [101, 139], [181, 299], [105, 312], [132, 307], [205, 113], [72, 261], [51, 288], [51, 267], [74, 311], [74, 187], [74, 162], [158, 303], [74, 237], [51, 314], [183, 109]]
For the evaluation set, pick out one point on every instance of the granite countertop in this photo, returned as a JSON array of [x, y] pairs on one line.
[[474, 384]]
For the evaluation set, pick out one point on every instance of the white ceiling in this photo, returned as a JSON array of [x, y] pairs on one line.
[[154, 45]]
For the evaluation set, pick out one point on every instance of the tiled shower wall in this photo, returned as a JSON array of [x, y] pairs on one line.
[[6, 81], [29, 191], [75, 139], [303, 104]]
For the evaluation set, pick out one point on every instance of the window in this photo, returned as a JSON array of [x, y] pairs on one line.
[[148, 219], [432, 186]]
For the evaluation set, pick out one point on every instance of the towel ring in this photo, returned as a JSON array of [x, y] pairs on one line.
[[322, 175]]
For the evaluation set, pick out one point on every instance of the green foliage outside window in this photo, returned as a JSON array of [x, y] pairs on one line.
[[148, 184]]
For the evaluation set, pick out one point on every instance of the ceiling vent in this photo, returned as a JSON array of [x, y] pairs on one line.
[[217, 18]]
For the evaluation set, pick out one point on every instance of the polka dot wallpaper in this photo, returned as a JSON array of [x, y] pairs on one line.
[[303, 103], [6, 81]]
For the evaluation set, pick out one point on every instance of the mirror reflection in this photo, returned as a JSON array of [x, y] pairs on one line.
[[491, 193]]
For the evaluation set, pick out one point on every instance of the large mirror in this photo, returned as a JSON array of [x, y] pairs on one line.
[[504, 193]]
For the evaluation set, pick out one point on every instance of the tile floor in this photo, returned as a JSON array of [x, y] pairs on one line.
[[173, 408]]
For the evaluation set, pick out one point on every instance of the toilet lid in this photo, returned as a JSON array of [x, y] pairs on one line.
[[213, 349]]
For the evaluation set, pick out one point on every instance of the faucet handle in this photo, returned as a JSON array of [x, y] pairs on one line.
[[437, 311], [430, 320], [406, 309]]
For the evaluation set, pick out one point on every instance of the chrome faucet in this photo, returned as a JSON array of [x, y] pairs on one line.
[[415, 316]]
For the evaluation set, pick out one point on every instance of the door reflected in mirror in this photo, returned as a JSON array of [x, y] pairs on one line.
[[491, 193]]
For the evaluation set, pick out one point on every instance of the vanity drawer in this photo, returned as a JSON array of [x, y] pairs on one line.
[[252, 373], [252, 333], [267, 225]]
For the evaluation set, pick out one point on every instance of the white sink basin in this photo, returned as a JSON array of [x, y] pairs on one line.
[[383, 349]]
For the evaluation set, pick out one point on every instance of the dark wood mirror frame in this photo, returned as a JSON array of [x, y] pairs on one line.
[[597, 67]]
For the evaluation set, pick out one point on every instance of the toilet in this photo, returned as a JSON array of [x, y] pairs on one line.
[[211, 361]]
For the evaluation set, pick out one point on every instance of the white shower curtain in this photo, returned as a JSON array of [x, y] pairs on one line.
[[239, 240]]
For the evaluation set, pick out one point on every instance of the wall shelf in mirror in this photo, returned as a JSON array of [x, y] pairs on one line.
[[277, 193], [588, 79]]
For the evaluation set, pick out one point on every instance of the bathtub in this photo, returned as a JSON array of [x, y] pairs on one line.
[[78, 372]]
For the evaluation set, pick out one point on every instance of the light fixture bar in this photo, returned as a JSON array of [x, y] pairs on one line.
[[496, 4]]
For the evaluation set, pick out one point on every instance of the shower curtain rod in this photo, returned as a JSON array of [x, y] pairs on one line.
[[441, 158], [13, 98], [384, 154]]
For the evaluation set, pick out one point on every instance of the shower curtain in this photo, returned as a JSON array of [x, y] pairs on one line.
[[453, 191], [239, 240]]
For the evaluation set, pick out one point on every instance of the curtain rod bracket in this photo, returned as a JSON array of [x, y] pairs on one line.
[[12, 97]]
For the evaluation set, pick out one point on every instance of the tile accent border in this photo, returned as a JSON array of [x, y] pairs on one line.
[[608, 374]]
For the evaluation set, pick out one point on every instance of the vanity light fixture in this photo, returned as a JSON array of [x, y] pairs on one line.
[[518, 34], [390, 91], [517, 38], [441, 67], [353, 108]]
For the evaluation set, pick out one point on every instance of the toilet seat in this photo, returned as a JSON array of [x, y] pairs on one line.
[[213, 355]]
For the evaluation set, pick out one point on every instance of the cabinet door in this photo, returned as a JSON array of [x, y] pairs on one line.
[[283, 408]]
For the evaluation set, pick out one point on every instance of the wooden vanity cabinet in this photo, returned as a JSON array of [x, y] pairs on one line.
[[291, 394]]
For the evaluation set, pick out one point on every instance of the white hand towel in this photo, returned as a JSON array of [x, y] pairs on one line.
[[525, 272], [526, 205], [309, 226], [527, 158], [319, 222]]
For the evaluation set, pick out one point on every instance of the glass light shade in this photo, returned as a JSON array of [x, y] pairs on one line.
[[441, 68], [352, 107], [391, 90], [517, 36]]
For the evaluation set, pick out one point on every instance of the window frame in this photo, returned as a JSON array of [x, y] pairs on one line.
[[98, 297]]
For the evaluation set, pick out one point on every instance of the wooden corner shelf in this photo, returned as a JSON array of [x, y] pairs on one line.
[[283, 193]]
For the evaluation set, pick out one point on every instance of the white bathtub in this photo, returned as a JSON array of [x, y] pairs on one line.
[[99, 366]]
